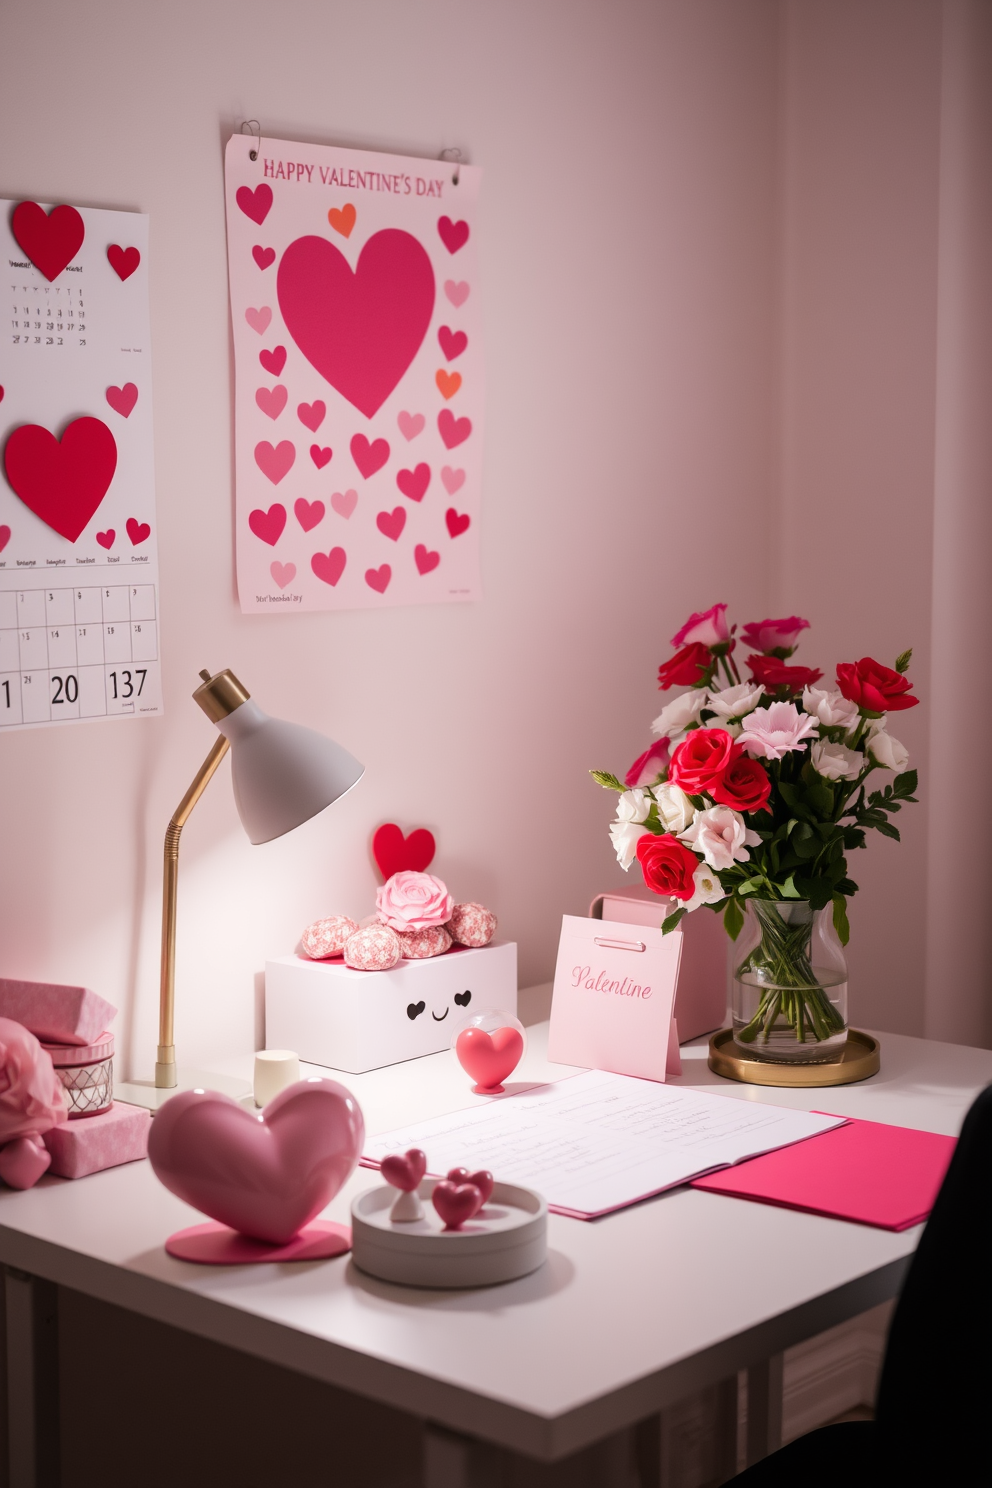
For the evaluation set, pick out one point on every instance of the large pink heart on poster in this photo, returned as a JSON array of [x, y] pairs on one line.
[[264, 1175], [488, 1057], [51, 240], [359, 328], [62, 481]]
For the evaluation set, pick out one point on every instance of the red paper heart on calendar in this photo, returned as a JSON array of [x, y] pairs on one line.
[[360, 329], [329, 566], [138, 532], [489, 1058], [4, 537], [457, 522], [123, 261], [268, 525], [106, 539], [62, 481], [50, 240], [255, 204], [395, 853], [122, 399]]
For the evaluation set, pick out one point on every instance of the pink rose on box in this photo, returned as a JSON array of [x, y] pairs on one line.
[[774, 635], [709, 627], [413, 901]]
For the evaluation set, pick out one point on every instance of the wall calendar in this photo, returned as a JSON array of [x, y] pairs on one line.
[[79, 634]]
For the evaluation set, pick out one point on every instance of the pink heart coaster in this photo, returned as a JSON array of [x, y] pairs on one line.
[[404, 1170], [216, 1245], [266, 1175], [456, 1203], [489, 1058]]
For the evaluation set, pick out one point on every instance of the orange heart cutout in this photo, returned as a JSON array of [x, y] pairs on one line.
[[448, 383], [342, 219]]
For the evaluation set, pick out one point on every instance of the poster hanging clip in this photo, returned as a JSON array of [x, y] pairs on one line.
[[255, 130], [454, 155]]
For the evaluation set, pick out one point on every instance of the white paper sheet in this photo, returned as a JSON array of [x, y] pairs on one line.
[[596, 1142]]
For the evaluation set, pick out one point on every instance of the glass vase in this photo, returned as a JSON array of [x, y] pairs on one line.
[[790, 983]]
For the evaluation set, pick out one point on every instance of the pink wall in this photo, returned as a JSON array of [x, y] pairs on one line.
[[710, 273]]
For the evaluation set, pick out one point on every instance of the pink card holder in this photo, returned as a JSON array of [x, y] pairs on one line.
[[613, 998]]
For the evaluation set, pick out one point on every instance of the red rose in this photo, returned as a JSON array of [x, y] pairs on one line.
[[649, 765], [701, 760], [773, 674], [667, 866], [874, 687], [745, 786], [686, 667]]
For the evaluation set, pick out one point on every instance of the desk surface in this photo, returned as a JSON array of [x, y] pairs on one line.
[[630, 1312]]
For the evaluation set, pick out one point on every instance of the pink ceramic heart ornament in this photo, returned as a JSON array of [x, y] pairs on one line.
[[404, 1170], [267, 1175]]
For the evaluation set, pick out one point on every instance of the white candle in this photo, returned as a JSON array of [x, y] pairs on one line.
[[274, 1070]]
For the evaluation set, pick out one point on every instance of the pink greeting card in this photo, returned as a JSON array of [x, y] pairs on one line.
[[359, 378], [613, 997]]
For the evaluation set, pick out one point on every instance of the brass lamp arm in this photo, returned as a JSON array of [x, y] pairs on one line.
[[165, 1067]]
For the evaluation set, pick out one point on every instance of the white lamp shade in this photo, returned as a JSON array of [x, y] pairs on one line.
[[283, 773]]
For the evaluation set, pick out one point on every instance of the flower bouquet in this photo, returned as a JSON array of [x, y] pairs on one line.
[[749, 801]]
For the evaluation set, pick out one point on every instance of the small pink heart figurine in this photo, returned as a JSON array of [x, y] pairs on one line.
[[483, 1180], [265, 1175], [404, 1170], [456, 1202], [489, 1058]]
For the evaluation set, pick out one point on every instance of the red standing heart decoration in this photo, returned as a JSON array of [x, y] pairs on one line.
[[360, 329], [395, 853], [50, 241], [122, 399], [123, 261], [62, 481]]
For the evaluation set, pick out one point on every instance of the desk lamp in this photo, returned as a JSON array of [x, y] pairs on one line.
[[283, 775]]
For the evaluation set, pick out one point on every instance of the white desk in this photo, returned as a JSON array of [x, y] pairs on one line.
[[629, 1314]]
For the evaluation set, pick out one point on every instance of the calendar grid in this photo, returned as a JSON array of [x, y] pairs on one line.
[[84, 652]]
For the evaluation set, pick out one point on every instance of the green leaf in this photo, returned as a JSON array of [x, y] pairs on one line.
[[902, 665], [904, 786], [789, 890], [672, 921], [841, 924], [733, 919], [607, 781], [698, 802], [847, 886], [888, 830], [820, 893], [821, 798], [788, 793]]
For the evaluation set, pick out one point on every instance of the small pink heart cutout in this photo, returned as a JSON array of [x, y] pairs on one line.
[[265, 1175], [489, 1058]]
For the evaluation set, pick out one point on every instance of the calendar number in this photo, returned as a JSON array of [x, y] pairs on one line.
[[6, 690], [66, 690], [127, 685]]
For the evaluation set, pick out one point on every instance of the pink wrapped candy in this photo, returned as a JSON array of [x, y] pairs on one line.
[[417, 945], [325, 938], [376, 948], [471, 925]]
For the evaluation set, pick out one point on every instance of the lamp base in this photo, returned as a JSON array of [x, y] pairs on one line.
[[215, 1245], [146, 1093]]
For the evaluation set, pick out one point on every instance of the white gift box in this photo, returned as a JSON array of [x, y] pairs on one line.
[[360, 1020]]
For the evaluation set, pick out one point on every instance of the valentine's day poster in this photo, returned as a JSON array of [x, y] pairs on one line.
[[78, 560], [358, 356]]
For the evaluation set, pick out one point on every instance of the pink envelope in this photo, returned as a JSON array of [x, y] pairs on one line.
[[874, 1174], [613, 998]]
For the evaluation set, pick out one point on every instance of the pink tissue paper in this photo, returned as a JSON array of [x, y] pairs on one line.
[[54, 1013], [120, 1135]]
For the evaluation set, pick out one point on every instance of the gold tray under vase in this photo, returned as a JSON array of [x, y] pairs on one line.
[[859, 1060]]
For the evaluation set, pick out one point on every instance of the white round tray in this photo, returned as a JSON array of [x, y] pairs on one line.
[[506, 1239]]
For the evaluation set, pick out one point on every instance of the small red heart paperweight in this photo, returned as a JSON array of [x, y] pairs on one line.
[[489, 1047]]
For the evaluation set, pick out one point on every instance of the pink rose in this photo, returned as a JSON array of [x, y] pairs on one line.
[[649, 765], [769, 733], [708, 626], [413, 901], [32, 1100], [774, 636]]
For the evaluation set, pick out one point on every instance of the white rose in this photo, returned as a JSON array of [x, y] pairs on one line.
[[733, 702], [676, 716], [674, 807], [721, 836], [633, 806], [831, 708], [887, 752], [709, 890], [625, 837], [836, 761]]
